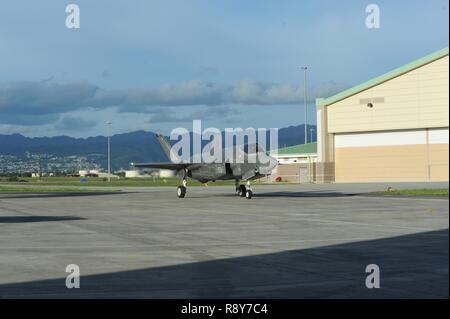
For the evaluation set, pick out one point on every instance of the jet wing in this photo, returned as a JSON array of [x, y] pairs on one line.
[[172, 166]]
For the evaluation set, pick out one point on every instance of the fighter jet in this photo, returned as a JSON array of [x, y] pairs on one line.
[[227, 170]]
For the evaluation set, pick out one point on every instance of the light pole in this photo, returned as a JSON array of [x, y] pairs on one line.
[[311, 131], [305, 101], [109, 150]]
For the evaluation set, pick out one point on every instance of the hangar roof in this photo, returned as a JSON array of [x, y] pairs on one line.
[[302, 149], [383, 78]]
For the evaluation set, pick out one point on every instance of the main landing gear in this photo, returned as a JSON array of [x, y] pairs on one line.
[[181, 190], [244, 190]]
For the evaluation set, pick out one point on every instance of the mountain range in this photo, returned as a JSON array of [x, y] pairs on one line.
[[126, 148]]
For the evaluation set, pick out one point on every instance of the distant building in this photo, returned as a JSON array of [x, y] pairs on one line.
[[133, 174], [166, 173], [391, 128], [95, 173], [83, 173], [297, 163]]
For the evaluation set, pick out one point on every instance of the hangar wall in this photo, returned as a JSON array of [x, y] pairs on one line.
[[418, 99], [392, 156], [391, 128]]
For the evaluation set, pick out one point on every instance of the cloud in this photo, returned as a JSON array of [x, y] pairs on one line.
[[28, 119], [21, 100], [211, 94], [41, 98], [71, 123], [203, 114]]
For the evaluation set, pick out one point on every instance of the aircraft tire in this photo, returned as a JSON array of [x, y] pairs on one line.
[[248, 194], [181, 191], [242, 190]]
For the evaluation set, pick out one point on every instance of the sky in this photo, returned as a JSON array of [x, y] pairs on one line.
[[158, 65]]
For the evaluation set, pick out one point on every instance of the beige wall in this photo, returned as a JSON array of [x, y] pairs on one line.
[[411, 155], [438, 162], [291, 172], [325, 148], [296, 159], [392, 163], [418, 99], [385, 163], [305, 173]]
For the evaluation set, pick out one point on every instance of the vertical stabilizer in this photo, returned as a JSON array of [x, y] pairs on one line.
[[165, 145]]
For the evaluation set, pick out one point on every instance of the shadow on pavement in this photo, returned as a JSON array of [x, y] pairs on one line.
[[411, 266], [304, 194], [312, 194], [36, 219], [11, 195]]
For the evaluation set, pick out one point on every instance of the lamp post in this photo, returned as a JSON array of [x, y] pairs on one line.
[[305, 101], [311, 131], [109, 150]]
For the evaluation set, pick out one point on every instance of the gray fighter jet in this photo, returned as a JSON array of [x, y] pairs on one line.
[[227, 170]]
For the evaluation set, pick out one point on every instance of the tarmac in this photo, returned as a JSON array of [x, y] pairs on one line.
[[288, 241]]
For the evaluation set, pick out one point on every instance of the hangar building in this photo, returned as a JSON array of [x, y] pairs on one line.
[[391, 128], [296, 163]]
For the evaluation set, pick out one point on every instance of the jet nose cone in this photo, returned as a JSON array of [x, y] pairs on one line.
[[268, 166], [273, 163]]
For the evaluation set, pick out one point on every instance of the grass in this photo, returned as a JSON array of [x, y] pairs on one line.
[[419, 192]]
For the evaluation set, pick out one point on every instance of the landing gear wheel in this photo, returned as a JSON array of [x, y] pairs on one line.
[[248, 194], [181, 191], [242, 190]]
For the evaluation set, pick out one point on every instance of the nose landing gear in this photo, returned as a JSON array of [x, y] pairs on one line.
[[244, 190], [181, 190], [249, 192]]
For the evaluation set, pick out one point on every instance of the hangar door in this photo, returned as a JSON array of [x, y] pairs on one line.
[[416, 155]]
